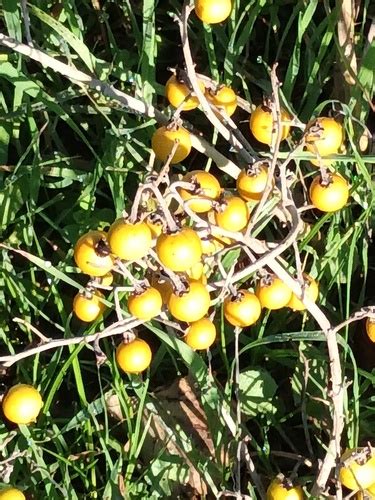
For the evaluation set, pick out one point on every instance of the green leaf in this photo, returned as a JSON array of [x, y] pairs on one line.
[[257, 389]]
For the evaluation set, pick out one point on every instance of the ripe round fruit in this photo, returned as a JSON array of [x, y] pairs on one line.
[[176, 91], [201, 334], [129, 241], [277, 490], [133, 357], [213, 11], [179, 251], [164, 139], [234, 215], [145, 305], [324, 136], [354, 475], [273, 293], [311, 291], [370, 329], [11, 494], [330, 197], [252, 183], [191, 305], [22, 404], [88, 307], [207, 187], [224, 98], [262, 126], [242, 309], [91, 254]]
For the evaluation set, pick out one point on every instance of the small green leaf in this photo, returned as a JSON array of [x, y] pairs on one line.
[[257, 390]]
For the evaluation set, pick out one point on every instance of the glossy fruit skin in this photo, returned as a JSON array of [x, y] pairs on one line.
[[331, 137], [88, 307], [331, 197], [192, 305], [311, 291], [11, 494], [242, 310], [145, 305], [274, 295], [251, 186], [213, 11], [277, 491], [224, 98], [88, 255], [22, 404], [129, 241], [261, 125], [355, 476], [176, 91], [235, 215], [209, 187], [201, 334], [370, 329], [179, 251], [134, 357], [162, 143]]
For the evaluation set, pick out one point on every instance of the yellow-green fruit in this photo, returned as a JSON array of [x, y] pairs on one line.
[[145, 305], [176, 91], [179, 251], [273, 295], [129, 241], [311, 292], [251, 185], [208, 187], [329, 197], [355, 475], [191, 305], [243, 309], [201, 334], [22, 404], [91, 254], [328, 137], [88, 307], [262, 126], [163, 141], [278, 491], [134, 357], [224, 98], [213, 11], [11, 494], [370, 329]]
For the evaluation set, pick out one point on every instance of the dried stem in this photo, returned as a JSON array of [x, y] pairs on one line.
[[131, 103]]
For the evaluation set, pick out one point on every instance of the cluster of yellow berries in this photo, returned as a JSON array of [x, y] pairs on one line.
[[179, 260], [323, 137]]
